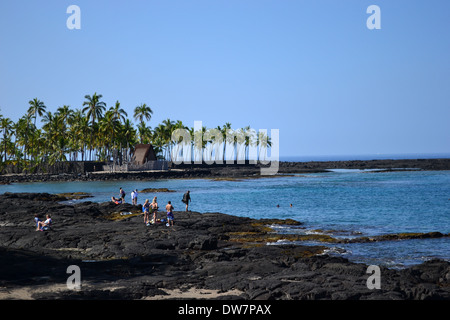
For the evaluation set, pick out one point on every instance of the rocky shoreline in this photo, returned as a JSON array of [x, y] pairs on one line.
[[203, 256], [233, 171]]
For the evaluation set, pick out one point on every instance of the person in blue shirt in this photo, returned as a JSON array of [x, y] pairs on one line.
[[146, 208], [36, 220]]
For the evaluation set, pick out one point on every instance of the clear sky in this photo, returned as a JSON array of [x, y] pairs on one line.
[[311, 68]]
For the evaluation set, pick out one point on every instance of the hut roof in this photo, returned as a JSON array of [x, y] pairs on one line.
[[144, 153]]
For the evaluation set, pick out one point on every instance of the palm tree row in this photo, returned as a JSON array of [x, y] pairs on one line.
[[223, 144], [97, 133]]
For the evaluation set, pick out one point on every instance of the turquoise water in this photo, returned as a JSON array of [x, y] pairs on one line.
[[345, 203]]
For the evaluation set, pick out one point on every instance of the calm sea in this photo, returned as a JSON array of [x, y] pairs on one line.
[[346, 203], [366, 157]]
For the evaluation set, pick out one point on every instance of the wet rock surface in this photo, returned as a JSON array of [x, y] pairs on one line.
[[121, 258]]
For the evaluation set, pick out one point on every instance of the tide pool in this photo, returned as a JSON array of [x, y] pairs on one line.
[[343, 203]]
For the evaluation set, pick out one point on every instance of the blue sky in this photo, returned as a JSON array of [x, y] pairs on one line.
[[311, 69]]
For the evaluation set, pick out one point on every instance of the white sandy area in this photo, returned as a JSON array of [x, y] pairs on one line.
[[26, 292], [193, 293]]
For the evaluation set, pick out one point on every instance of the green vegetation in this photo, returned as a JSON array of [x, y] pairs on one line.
[[117, 216], [74, 195], [260, 231], [95, 132]]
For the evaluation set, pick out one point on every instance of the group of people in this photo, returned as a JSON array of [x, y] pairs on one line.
[[148, 208], [121, 198], [290, 206], [151, 208]]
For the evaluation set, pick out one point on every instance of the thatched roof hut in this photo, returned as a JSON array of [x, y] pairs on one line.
[[144, 153]]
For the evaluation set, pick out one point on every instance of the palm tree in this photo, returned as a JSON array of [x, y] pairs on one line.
[[169, 126], [35, 149], [240, 143], [37, 107], [7, 126], [95, 109], [198, 144], [160, 138], [247, 139], [54, 132], [117, 115], [210, 138], [58, 150], [117, 112], [144, 133], [49, 122], [109, 125], [226, 128], [175, 153], [79, 138], [128, 136], [65, 113], [233, 139], [74, 139], [22, 132], [143, 112], [263, 141], [192, 134]]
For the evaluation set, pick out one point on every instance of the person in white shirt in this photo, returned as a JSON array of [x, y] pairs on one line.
[[134, 196], [42, 224]]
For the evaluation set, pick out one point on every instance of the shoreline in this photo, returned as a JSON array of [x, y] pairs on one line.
[[236, 171], [204, 256]]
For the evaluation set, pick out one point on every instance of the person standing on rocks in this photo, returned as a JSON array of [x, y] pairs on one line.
[[170, 217], [186, 199], [122, 195], [154, 206], [134, 196], [146, 207]]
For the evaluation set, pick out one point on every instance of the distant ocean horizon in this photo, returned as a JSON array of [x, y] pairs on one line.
[[365, 157]]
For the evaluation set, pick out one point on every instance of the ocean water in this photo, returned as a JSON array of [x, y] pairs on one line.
[[379, 156], [342, 203]]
